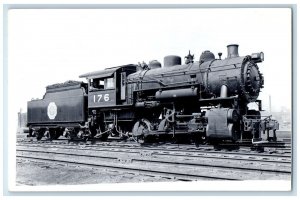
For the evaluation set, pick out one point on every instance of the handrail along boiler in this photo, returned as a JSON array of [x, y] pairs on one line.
[[200, 101]]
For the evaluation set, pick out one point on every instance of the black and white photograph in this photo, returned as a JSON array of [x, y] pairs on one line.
[[150, 98]]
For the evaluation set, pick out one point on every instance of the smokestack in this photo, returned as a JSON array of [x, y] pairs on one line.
[[233, 50], [172, 60]]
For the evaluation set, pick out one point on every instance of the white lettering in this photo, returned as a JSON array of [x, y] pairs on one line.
[[106, 97], [98, 98]]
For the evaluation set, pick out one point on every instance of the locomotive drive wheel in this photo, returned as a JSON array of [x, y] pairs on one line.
[[140, 139], [140, 130], [103, 137]]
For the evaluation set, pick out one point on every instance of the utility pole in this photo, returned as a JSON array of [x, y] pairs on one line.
[[20, 118], [270, 105]]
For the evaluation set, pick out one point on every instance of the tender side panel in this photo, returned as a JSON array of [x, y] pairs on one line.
[[58, 107]]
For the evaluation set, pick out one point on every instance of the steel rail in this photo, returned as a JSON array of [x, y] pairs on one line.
[[90, 154], [166, 150]]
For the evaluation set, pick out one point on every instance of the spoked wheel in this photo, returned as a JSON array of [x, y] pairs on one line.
[[56, 136], [97, 134], [47, 135], [57, 133], [141, 130], [51, 134], [140, 139], [199, 139], [70, 134], [38, 134], [84, 135]]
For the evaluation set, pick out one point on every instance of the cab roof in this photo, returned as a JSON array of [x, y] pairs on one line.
[[107, 72]]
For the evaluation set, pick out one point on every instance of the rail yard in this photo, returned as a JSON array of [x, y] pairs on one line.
[[64, 162]]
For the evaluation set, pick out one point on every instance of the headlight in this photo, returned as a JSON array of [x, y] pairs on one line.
[[258, 57]]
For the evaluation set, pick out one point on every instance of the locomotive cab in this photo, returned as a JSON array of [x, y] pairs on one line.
[[109, 106], [107, 88]]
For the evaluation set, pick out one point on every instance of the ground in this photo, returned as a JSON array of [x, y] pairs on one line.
[[39, 173]]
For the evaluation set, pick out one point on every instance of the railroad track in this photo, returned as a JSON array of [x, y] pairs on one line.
[[284, 144], [171, 161], [170, 147], [167, 150]]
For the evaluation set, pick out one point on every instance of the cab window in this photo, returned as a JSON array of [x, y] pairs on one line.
[[102, 83], [109, 83]]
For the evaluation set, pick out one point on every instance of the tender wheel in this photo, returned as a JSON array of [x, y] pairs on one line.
[[57, 133], [56, 136], [47, 135], [52, 134], [38, 134]]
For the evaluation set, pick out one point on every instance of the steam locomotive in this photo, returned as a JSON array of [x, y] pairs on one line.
[[198, 101]]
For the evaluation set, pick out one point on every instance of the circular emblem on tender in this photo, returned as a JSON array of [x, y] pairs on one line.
[[52, 110]]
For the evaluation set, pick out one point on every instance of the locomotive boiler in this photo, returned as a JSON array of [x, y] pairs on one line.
[[198, 101]]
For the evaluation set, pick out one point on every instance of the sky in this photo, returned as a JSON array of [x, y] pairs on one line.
[[47, 46]]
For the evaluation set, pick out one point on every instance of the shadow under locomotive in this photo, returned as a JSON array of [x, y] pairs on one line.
[[203, 101]]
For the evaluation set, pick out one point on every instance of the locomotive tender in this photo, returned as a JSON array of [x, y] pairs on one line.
[[205, 100]]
